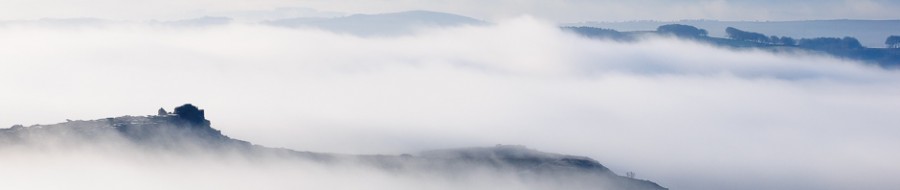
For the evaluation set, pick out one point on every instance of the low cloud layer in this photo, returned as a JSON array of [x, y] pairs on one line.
[[683, 114], [116, 168]]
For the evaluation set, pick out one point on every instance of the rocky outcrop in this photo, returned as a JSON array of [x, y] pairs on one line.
[[188, 131]]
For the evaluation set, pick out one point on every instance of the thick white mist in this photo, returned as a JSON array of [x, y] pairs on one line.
[[683, 114]]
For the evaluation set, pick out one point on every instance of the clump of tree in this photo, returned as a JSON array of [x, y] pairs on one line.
[[824, 43], [741, 35], [788, 41], [831, 43], [738, 34], [682, 30], [892, 42], [598, 32]]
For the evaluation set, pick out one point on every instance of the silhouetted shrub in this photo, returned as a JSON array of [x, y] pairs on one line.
[[681, 30], [788, 41], [892, 42], [741, 35], [598, 32], [831, 43]]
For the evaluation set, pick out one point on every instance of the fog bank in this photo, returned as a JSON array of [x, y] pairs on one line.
[[683, 114]]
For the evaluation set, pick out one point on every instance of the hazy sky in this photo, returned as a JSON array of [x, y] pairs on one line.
[[560, 11]]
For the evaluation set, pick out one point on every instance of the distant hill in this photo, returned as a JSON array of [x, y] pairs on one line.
[[843, 47], [201, 21], [187, 132], [387, 24], [871, 33]]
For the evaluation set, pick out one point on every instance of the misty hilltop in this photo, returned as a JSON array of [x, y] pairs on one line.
[[186, 132], [386, 24]]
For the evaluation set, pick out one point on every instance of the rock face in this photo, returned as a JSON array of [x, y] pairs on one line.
[[187, 131], [191, 114]]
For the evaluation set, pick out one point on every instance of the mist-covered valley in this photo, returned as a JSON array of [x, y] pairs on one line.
[[680, 113]]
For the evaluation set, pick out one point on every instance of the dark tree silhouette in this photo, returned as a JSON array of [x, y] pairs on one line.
[[831, 43], [788, 41], [892, 42], [741, 35], [851, 43], [598, 33], [682, 30], [774, 40]]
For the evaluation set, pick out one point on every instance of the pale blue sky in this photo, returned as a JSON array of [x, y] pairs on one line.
[[560, 11]]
